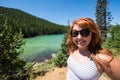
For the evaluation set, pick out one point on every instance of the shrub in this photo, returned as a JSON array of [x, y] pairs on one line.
[[60, 60], [113, 41], [11, 66]]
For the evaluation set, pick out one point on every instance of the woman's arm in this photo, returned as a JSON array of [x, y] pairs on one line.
[[109, 64], [115, 68]]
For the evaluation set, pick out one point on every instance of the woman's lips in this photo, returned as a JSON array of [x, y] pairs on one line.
[[81, 42]]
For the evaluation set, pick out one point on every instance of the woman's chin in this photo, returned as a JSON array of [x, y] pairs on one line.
[[81, 46]]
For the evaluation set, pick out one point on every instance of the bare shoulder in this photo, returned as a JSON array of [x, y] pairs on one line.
[[105, 54], [114, 63]]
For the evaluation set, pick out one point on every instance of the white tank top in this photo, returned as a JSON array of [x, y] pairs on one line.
[[79, 71]]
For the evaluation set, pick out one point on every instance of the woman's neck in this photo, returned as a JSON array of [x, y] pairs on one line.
[[84, 52]]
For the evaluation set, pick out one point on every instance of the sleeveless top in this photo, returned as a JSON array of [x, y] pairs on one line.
[[79, 71]]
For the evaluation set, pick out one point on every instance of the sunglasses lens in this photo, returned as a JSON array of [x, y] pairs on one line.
[[83, 32], [74, 33]]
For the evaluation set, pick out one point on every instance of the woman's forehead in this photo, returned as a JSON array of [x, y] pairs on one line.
[[77, 27]]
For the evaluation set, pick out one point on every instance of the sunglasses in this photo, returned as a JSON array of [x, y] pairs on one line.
[[84, 32]]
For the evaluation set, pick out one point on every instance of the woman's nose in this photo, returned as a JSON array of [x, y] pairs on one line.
[[79, 36]]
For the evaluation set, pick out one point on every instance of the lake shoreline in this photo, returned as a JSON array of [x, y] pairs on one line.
[[41, 46], [42, 56]]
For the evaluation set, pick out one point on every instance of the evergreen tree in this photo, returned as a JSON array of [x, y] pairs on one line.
[[61, 58], [109, 19], [10, 49], [101, 16], [63, 44]]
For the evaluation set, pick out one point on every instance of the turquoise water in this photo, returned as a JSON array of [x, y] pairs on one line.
[[41, 45]]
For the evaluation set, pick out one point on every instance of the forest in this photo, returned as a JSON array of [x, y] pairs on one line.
[[30, 25]]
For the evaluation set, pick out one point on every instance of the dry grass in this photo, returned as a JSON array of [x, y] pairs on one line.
[[58, 74]]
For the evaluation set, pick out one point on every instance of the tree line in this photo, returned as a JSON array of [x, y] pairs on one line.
[[30, 25]]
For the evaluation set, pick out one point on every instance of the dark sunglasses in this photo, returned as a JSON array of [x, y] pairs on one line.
[[84, 32]]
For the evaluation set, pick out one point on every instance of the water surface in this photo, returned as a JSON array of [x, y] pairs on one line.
[[41, 45]]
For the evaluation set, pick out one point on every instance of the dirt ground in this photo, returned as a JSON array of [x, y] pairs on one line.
[[58, 74]]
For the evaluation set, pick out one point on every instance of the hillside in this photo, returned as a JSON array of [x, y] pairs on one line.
[[29, 24], [58, 74]]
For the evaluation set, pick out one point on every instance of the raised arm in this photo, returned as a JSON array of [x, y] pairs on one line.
[[109, 64], [115, 68]]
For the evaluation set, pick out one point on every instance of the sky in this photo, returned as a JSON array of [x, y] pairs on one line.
[[62, 11]]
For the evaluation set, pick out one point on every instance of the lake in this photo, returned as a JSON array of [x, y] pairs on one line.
[[41, 45]]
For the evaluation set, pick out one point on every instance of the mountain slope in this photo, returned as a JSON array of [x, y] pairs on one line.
[[29, 24]]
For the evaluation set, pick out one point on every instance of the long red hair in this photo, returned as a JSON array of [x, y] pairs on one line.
[[96, 41], [94, 45]]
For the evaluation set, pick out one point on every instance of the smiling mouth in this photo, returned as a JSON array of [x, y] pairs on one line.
[[81, 42]]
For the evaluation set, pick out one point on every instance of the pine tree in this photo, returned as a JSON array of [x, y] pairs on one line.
[[10, 49], [63, 45], [101, 16], [61, 58]]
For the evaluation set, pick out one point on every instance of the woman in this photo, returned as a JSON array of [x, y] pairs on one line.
[[87, 60]]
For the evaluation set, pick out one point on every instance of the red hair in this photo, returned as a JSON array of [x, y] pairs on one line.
[[103, 64], [96, 41]]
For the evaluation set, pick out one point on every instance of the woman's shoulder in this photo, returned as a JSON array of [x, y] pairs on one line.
[[104, 54]]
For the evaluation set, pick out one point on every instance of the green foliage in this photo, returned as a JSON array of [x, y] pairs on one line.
[[10, 49], [109, 18], [60, 60], [29, 24], [61, 56], [44, 66], [41, 68], [113, 41], [63, 44]]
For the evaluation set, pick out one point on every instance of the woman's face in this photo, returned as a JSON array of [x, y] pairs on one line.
[[81, 37]]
